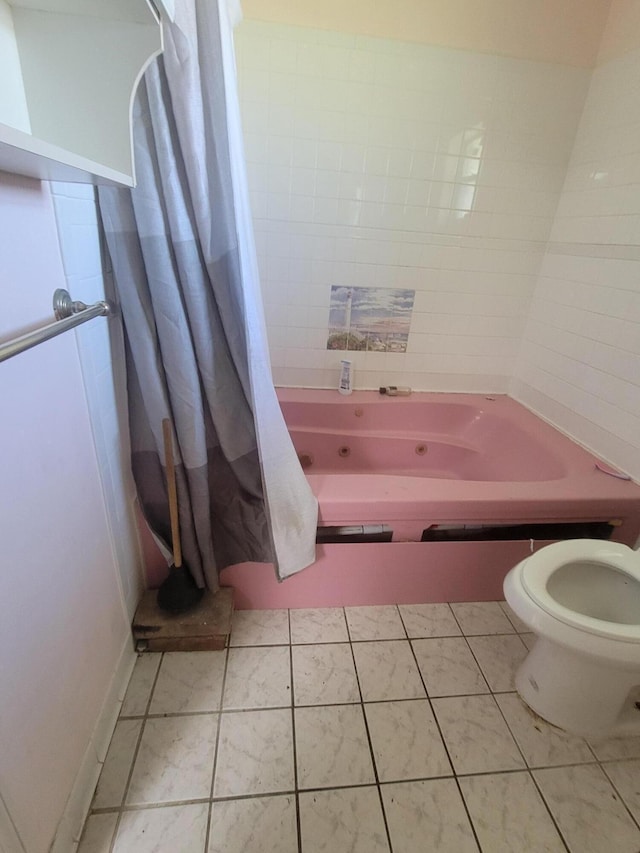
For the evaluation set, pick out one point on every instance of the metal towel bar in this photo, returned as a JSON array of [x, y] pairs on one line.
[[68, 313]]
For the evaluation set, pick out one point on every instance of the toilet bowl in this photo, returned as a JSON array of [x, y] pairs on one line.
[[582, 600]]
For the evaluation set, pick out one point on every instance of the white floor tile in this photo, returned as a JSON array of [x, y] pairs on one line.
[[345, 821], [387, 670], [332, 748], [482, 617], [255, 825], [117, 764], [188, 681], [175, 760], [324, 675], [375, 623], [255, 753], [509, 814], [476, 735], [448, 667], [613, 748], [322, 625], [260, 628], [499, 657], [516, 621], [542, 745], [429, 620], [425, 816], [179, 829], [405, 740], [98, 833], [587, 809], [258, 677], [138, 692], [625, 776]]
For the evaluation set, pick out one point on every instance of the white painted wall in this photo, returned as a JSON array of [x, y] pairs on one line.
[[64, 632], [622, 30], [564, 31], [79, 91]]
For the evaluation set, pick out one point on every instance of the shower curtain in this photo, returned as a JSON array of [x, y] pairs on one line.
[[184, 266]]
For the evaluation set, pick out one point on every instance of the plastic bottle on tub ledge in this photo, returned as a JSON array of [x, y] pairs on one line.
[[345, 386], [395, 390]]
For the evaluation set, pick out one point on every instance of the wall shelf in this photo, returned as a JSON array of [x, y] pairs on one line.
[[70, 69]]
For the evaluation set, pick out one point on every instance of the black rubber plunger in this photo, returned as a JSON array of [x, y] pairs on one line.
[[178, 593]]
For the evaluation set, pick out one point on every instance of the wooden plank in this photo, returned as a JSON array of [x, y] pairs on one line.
[[210, 618], [183, 644]]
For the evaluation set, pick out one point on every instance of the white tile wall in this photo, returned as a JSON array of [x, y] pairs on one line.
[[599, 202], [102, 359], [378, 162], [580, 359]]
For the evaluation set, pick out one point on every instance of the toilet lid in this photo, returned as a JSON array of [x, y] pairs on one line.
[[584, 555]]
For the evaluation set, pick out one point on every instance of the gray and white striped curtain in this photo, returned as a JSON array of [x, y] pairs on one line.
[[183, 257]]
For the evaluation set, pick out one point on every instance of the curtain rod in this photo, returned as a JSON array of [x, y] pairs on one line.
[[68, 313]]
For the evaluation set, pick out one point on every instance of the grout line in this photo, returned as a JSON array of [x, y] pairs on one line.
[[141, 807], [215, 750], [635, 819], [135, 756], [153, 685], [295, 760], [231, 798], [345, 787], [509, 619], [446, 748], [123, 808], [295, 748], [622, 760], [227, 711], [133, 807], [531, 776], [381, 639], [462, 634], [591, 750], [480, 669], [371, 752], [346, 619], [145, 807], [548, 808]]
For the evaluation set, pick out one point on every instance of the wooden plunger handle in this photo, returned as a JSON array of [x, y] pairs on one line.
[[173, 494]]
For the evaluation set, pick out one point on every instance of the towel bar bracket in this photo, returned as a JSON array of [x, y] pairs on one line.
[[68, 313], [64, 306]]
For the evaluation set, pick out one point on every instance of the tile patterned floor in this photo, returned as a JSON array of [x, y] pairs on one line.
[[363, 729]]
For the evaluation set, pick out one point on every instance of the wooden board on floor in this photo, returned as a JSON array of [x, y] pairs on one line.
[[205, 628]]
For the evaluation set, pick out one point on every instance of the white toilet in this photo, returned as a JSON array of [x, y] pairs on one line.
[[582, 600]]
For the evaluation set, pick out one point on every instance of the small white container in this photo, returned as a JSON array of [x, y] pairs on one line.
[[345, 386]]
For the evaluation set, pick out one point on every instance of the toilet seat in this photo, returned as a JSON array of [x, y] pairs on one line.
[[537, 570]]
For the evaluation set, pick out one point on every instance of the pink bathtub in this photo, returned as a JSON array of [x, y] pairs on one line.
[[480, 472]]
